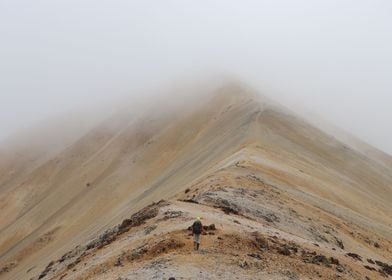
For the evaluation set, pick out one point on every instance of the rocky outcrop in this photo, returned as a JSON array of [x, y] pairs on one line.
[[75, 256]]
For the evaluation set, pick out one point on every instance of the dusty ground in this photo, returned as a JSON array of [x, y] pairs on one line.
[[256, 234], [288, 201]]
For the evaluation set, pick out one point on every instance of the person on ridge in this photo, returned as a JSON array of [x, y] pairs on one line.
[[197, 229]]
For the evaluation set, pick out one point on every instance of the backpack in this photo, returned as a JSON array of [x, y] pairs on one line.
[[196, 228]]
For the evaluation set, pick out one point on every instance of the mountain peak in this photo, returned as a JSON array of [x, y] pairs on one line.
[[273, 191]]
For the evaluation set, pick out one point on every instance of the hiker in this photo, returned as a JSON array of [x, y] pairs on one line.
[[197, 229]]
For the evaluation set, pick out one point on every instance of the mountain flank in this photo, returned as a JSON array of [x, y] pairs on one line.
[[279, 199]]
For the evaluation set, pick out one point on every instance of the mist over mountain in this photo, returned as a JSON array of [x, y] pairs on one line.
[[330, 58], [195, 140], [261, 174]]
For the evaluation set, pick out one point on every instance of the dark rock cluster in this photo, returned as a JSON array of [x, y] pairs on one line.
[[75, 256]]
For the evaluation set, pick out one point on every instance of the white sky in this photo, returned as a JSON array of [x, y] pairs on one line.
[[330, 57]]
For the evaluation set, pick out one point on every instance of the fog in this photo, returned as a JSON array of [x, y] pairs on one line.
[[330, 59]]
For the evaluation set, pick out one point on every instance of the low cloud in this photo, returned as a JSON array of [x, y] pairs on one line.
[[326, 58]]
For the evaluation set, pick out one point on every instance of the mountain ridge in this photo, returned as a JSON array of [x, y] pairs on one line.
[[127, 163]]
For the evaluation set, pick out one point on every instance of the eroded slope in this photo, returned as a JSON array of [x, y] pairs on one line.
[[254, 170]]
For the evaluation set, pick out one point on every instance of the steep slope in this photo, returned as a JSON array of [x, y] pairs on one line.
[[114, 170], [24, 152], [355, 143], [268, 168]]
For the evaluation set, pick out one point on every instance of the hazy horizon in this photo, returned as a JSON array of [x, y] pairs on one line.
[[331, 59]]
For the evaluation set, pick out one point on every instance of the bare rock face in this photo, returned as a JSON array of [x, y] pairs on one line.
[[339, 243], [284, 250], [355, 256], [8, 267], [140, 217], [209, 227], [75, 256], [385, 268]]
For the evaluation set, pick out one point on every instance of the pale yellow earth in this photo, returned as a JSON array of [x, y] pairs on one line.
[[267, 179]]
